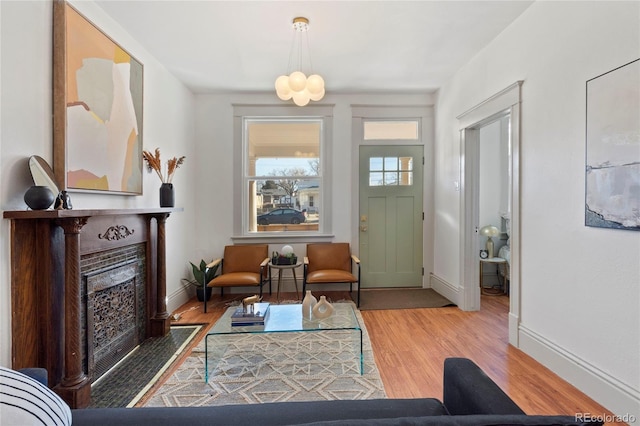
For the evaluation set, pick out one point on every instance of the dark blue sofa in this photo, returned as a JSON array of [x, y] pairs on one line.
[[470, 397]]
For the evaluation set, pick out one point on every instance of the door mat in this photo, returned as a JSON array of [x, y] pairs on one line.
[[133, 376], [405, 298]]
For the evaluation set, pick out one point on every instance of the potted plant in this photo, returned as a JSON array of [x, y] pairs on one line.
[[283, 259], [202, 275]]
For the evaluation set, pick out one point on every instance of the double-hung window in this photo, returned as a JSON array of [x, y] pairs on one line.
[[282, 175]]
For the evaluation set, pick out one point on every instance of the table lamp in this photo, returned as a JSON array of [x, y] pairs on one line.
[[489, 231]]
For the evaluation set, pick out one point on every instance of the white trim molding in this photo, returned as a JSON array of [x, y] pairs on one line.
[[445, 288], [618, 397], [507, 101]]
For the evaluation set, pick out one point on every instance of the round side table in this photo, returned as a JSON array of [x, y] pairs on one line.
[[280, 268]]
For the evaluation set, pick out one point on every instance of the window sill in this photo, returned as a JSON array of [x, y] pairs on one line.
[[279, 237]]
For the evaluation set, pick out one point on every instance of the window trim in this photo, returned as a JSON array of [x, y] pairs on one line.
[[324, 113]]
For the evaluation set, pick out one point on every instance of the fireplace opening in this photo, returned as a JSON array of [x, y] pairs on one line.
[[114, 310]]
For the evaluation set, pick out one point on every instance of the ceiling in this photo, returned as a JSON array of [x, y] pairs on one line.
[[357, 46]]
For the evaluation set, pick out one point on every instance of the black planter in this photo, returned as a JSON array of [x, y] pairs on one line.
[[39, 197], [166, 195], [283, 260], [200, 292]]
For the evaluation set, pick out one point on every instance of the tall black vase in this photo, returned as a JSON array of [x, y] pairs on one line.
[[166, 195]]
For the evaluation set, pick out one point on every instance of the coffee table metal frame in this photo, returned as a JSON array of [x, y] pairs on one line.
[[287, 319]]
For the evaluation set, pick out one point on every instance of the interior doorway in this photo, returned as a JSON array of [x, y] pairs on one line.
[[494, 205], [505, 105]]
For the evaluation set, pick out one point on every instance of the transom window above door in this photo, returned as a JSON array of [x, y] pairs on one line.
[[391, 130]]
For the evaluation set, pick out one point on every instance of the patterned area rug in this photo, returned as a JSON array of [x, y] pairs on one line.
[[259, 368]]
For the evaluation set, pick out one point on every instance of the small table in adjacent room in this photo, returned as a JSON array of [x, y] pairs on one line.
[[280, 268], [498, 261]]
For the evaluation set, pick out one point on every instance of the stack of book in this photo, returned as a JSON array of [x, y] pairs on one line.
[[257, 317]]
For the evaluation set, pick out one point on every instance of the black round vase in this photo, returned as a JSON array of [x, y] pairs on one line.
[[39, 197], [166, 195]]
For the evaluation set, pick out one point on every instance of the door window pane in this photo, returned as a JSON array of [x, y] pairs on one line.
[[375, 163], [390, 171], [391, 163], [406, 163], [391, 178], [376, 179]]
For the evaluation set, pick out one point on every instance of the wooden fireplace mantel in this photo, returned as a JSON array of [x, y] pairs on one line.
[[60, 214], [46, 249]]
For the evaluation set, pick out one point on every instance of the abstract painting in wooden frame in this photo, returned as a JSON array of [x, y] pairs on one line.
[[97, 108]]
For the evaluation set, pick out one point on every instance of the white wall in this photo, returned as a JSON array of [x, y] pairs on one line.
[[25, 113], [580, 286], [214, 132]]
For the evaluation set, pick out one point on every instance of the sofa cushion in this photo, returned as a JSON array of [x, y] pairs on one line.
[[468, 390], [25, 401]]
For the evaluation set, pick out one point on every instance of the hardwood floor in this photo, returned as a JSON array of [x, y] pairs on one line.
[[410, 347]]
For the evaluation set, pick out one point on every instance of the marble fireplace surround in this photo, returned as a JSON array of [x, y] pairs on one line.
[[48, 286]]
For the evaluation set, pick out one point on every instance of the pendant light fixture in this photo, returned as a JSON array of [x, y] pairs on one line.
[[297, 85]]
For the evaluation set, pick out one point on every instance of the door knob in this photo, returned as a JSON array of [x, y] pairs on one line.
[[363, 228]]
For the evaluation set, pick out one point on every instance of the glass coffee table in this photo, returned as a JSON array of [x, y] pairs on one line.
[[287, 319]]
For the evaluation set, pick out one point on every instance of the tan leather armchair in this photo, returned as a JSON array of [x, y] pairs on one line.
[[330, 263], [242, 266]]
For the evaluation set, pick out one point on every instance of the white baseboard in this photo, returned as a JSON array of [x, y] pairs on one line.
[[618, 397], [514, 321], [445, 288], [179, 297]]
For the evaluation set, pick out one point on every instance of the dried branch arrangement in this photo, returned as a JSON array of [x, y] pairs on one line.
[[154, 163]]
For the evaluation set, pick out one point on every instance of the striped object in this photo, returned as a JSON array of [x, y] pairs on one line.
[[26, 402]]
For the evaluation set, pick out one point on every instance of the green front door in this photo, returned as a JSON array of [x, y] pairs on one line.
[[390, 219]]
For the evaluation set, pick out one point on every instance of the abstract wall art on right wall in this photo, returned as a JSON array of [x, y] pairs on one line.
[[613, 149]]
